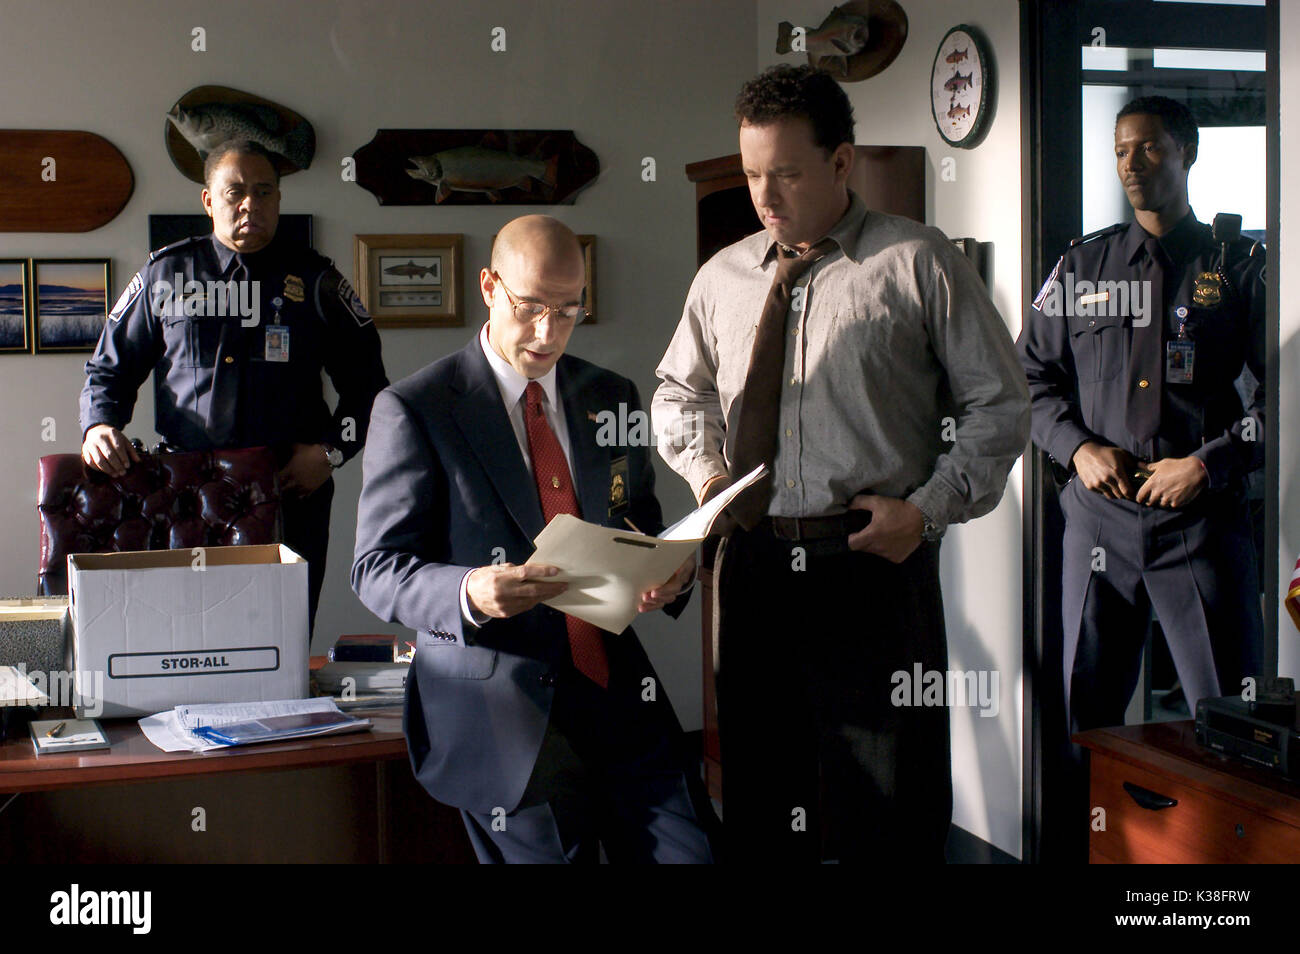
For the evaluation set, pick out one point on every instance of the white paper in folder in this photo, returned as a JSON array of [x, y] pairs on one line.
[[608, 569]]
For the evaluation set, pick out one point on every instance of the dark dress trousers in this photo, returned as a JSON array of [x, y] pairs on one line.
[[541, 761]]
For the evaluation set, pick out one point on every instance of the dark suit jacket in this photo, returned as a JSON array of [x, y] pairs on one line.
[[446, 489]]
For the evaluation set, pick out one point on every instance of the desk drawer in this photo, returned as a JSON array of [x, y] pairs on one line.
[[1201, 828]]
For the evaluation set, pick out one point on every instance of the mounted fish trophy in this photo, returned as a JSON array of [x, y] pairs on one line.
[[475, 166], [207, 116], [856, 41]]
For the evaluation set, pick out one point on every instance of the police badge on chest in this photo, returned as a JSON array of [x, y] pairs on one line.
[[618, 500]]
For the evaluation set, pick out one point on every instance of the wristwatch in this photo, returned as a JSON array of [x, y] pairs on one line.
[[334, 456], [930, 533]]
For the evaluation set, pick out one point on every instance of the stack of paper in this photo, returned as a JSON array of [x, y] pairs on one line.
[[201, 728]]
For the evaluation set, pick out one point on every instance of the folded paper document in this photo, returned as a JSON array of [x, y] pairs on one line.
[[608, 569]]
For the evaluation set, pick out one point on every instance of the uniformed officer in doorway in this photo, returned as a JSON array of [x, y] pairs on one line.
[[1132, 348], [236, 328]]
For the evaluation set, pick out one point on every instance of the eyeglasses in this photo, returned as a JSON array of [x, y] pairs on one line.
[[529, 312]]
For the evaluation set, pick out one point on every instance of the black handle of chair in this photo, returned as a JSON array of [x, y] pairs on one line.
[[1152, 801]]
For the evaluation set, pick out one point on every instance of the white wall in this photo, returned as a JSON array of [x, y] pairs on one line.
[[631, 79], [981, 563]]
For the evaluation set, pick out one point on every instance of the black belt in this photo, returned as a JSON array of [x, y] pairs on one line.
[[819, 536], [814, 528]]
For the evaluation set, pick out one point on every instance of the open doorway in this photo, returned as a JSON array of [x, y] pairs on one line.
[[1081, 61]]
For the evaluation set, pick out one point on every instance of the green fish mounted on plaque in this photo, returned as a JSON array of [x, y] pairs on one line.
[[207, 116], [475, 166]]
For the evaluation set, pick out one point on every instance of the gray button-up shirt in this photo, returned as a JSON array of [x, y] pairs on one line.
[[900, 377]]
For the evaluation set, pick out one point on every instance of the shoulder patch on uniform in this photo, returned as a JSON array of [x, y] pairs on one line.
[[176, 246], [353, 303], [1100, 233], [1047, 285], [129, 293]]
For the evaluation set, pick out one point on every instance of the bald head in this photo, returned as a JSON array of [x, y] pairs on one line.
[[536, 241], [535, 259]]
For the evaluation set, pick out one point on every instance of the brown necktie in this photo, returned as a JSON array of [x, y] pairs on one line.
[[760, 408], [1142, 412], [555, 490]]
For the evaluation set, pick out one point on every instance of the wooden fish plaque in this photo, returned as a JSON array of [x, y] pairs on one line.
[[475, 166], [60, 180], [209, 115]]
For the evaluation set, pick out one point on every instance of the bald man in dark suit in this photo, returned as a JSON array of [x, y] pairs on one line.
[[551, 736]]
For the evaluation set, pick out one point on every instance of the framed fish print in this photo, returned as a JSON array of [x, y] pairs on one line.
[[69, 303], [15, 294], [961, 87], [411, 281]]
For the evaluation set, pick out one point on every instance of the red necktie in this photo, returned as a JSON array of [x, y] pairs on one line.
[[555, 489]]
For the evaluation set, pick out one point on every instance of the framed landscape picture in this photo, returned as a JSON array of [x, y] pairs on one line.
[[410, 281], [15, 330], [69, 304]]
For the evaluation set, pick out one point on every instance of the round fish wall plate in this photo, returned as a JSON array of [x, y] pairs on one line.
[[961, 87]]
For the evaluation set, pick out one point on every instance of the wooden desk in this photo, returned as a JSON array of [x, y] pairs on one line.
[[1226, 811], [335, 798]]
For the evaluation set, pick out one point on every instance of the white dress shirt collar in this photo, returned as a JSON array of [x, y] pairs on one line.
[[510, 381]]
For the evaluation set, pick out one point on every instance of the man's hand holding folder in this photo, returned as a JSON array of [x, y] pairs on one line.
[[614, 574]]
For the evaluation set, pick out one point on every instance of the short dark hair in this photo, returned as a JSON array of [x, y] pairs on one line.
[[1173, 115], [786, 91], [238, 147]]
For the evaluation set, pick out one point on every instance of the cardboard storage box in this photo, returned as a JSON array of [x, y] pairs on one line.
[[162, 628]]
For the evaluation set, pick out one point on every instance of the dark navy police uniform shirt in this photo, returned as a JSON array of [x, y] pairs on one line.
[[221, 380], [1075, 349]]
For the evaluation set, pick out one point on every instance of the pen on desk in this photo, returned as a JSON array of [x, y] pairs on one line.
[[55, 732], [631, 524]]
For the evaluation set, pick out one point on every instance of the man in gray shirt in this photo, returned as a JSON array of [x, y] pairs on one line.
[[858, 356]]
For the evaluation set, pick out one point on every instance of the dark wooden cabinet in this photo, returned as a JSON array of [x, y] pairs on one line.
[[889, 179], [1167, 800]]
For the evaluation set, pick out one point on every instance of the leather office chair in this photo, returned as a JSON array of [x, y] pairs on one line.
[[166, 501]]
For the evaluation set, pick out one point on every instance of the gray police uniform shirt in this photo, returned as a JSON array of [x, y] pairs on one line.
[[1076, 339], [238, 364], [900, 376]]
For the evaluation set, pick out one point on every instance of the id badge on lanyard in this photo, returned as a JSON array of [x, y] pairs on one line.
[[1180, 354], [275, 341]]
